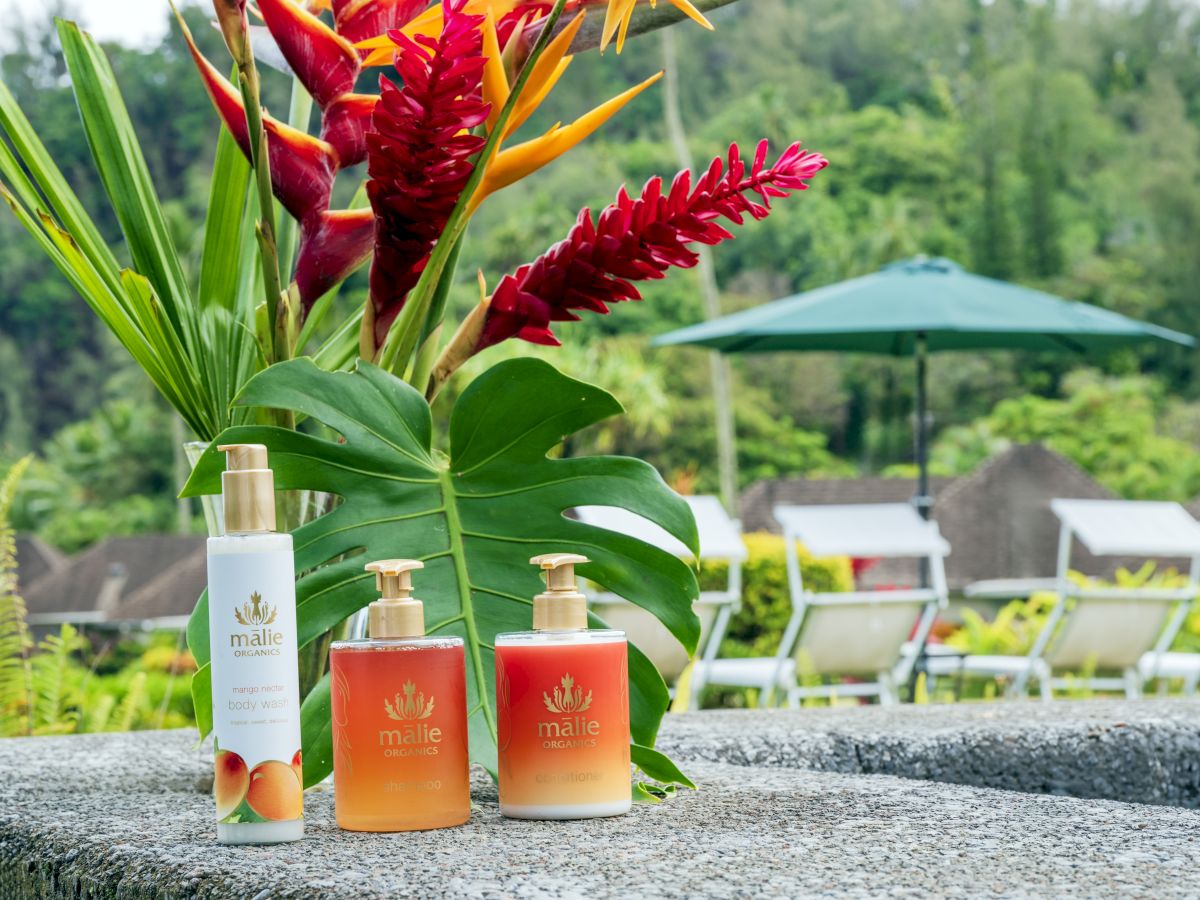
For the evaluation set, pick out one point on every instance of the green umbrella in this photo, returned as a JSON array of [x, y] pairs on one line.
[[915, 307]]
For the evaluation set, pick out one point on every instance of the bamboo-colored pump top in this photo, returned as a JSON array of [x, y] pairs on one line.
[[396, 614], [247, 489], [561, 607]]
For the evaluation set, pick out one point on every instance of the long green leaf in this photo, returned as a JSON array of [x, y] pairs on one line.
[[51, 183], [223, 234], [116, 150], [475, 517]]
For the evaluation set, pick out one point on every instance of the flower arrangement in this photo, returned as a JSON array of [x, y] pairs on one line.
[[235, 347]]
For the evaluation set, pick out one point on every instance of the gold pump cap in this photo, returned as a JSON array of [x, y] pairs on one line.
[[396, 614], [561, 607], [247, 489]]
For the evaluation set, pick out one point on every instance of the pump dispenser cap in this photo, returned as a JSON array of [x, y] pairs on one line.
[[396, 614], [561, 607], [248, 489]]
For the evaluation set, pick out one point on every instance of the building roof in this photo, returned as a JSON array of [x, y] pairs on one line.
[[999, 521], [101, 577], [36, 559], [761, 497], [172, 594], [997, 518]]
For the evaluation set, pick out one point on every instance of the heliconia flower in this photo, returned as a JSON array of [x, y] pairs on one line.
[[634, 239], [303, 168], [358, 19], [335, 243], [327, 65], [420, 157], [510, 164]]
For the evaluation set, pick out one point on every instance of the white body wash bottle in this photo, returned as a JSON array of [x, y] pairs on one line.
[[255, 683]]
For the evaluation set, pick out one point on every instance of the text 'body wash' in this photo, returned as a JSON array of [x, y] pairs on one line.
[[255, 683], [562, 704]]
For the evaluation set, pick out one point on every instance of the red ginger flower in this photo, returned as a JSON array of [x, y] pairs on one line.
[[420, 156], [638, 239]]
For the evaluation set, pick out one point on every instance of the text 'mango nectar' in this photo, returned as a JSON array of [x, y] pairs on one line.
[[399, 703], [562, 700]]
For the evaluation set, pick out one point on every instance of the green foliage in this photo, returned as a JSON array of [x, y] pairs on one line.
[[68, 694], [1010, 633], [16, 685], [474, 515], [1113, 428], [109, 474]]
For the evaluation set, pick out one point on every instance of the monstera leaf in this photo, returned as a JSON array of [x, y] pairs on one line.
[[474, 516]]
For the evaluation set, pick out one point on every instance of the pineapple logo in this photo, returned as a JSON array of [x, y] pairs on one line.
[[255, 613], [567, 699], [411, 707]]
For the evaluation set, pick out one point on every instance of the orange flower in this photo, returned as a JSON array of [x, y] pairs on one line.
[[510, 164], [620, 13]]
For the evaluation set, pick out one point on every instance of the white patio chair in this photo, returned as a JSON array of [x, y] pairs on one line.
[[858, 633], [1109, 629], [720, 540]]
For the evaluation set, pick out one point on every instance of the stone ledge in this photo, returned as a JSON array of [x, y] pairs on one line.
[[119, 816], [1145, 751]]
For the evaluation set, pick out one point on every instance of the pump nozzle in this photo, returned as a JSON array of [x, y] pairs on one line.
[[559, 569], [248, 489], [561, 607], [396, 614], [393, 577]]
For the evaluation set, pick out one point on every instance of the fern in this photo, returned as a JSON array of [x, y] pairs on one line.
[[100, 713], [132, 704], [53, 666], [16, 682]]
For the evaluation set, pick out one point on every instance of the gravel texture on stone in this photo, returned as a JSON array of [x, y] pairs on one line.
[[1145, 751], [122, 815]]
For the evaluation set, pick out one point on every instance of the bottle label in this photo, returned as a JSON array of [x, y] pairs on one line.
[[563, 724], [255, 687]]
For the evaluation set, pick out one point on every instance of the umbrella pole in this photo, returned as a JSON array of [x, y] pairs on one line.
[[923, 501]]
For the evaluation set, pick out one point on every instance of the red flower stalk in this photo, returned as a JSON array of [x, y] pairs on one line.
[[420, 156], [637, 239]]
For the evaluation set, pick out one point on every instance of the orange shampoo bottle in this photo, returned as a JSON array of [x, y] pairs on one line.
[[399, 709], [562, 708]]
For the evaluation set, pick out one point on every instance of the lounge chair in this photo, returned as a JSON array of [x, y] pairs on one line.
[[1104, 629], [875, 635], [720, 540]]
